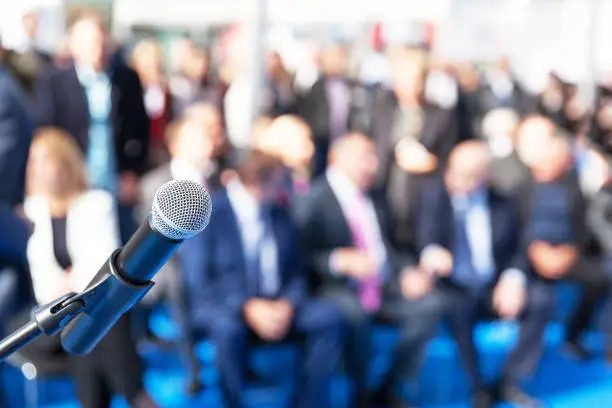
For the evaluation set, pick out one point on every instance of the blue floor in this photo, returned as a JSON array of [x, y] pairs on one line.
[[561, 381]]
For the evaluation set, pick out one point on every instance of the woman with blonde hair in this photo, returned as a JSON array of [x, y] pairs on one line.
[[75, 230]]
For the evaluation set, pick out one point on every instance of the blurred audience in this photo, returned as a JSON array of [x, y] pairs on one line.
[[147, 62], [23, 57], [191, 151], [347, 234], [470, 239], [330, 106], [103, 110], [413, 138], [63, 256], [259, 291], [289, 139], [554, 222]]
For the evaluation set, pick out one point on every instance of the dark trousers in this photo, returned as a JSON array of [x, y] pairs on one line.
[[417, 320], [464, 309], [591, 274], [315, 322]]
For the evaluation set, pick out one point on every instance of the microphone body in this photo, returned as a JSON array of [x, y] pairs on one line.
[[121, 283], [183, 211]]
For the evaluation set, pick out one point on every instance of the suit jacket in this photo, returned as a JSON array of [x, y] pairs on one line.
[[323, 228], [314, 107], [436, 226], [215, 270], [439, 133], [16, 128], [62, 103], [27, 66], [92, 235]]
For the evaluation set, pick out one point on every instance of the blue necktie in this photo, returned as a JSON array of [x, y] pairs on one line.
[[464, 272]]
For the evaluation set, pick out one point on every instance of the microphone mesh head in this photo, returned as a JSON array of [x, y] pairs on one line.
[[181, 209]]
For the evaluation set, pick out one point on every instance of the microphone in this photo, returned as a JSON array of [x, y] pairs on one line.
[[181, 209]]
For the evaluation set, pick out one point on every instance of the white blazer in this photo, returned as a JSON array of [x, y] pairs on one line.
[[92, 234]]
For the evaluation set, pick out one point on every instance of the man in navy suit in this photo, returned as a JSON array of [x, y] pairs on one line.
[[354, 263], [244, 277], [470, 238]]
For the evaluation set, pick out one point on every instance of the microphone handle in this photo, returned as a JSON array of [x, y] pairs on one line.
[[144, 254]]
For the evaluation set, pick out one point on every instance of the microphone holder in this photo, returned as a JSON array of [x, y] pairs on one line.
[[51, 318]]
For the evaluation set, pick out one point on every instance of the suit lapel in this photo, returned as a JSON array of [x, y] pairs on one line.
[[337, 217]]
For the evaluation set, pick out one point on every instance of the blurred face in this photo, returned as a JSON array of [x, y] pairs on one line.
[[193, 145], [408, 77], [87, 43], [30, 24], [466, 173], [45, 173], [359, 162], [534, 141], [334, 61]]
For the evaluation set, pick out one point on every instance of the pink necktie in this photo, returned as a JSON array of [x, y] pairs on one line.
[[369, 288]]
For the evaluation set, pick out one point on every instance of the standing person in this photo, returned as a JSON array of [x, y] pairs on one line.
[[102, 108], [64, 255]]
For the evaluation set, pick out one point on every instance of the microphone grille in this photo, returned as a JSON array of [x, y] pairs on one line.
[[181, 209]]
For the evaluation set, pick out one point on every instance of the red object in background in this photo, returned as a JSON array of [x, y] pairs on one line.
[[377, 37], [429, 34]]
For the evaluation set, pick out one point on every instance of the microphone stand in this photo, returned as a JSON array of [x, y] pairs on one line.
[[51, 318]]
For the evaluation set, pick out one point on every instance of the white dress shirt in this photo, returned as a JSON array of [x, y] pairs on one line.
[[252, 228], [346, 193]]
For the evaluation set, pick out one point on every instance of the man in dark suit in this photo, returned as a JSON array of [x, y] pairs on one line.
[[470, 238], [103, 109], [554, 215], [413, 138], [334, 104], [354, 263], [245, 279], [191, 149]]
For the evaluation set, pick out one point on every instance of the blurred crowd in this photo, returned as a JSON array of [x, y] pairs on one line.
[[442, 192]]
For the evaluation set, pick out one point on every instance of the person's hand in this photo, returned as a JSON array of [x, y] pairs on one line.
[[128, 188], [509, 297], [438, 261], [414, 158], [263, 318], [355, 263], [283, 313], [415, 283], [552, 262]]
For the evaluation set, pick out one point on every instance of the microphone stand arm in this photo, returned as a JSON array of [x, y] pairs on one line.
[[48, 319], [51, 318]]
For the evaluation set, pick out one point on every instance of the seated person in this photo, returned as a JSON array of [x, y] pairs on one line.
[[470, 239], [346, 233], [191, 149], [289, 138], [75, 231], [244, 278], [554, 210]]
